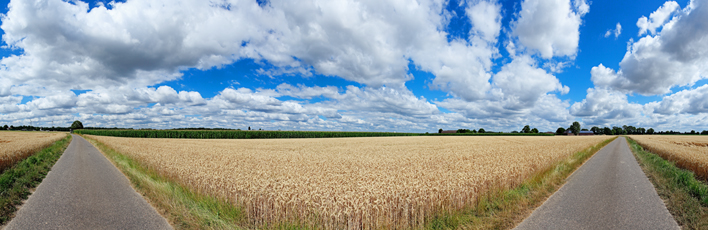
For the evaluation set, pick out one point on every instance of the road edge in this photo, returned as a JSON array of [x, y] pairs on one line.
[[25, 176], [679, 188]]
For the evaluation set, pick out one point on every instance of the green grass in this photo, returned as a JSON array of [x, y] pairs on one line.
[[184, 208], [235, 134], [507, 207], [685, 196], [17, 181]]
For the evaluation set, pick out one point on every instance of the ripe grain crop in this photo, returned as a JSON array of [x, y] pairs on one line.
[[689, 152], [352, 183], [15, 146]]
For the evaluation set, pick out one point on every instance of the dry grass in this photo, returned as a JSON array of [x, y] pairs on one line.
[[689, 152], [354, 183], [15, 146]]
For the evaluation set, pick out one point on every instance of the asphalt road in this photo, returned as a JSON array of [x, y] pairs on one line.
[[609, 191], [85, 191]]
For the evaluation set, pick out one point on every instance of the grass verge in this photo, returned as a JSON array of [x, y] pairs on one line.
[[505, 208], [685, 196], [17, 181], [183, 208]]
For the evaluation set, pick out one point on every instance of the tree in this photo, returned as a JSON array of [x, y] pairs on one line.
[[607, 131], [463, 131], [705, 132], [641, 131], [693, 131], [526, 129], [77, 125], [584, 130], [560, 131], [617, 130], [481, 130], [595, 130], [650, 131], [514, 131], [249, 128], [439, 130], [575, 127], [5, 127], [534, 130]]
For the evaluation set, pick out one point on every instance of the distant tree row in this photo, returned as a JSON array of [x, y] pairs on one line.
[[624, 130], [466, 131]]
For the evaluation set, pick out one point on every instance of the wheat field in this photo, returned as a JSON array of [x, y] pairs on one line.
[[349, 183], [15, 146], [689, 152]]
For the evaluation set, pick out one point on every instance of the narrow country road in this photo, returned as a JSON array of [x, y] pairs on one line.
[[85, 191], [609, 191]]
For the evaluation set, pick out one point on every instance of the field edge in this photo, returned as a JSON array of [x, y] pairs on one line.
[[17, 181], [182, 207], [685, 196], [507, 207]]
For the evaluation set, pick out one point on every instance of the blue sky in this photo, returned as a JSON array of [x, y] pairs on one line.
[[355, 65]]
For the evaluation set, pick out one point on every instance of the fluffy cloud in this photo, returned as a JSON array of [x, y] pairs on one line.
[[522, 83], [657, 18], [690, 101], [486, 19], [550, 27], [69, 46], [677, 56], [617, 31], [603, 106]]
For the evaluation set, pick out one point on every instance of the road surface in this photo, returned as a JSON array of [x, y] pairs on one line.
[[609, 191], [85, 191]]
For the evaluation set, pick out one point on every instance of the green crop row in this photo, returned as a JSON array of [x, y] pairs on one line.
[[233, 134]]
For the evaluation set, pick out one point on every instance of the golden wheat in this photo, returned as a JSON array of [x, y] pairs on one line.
[[15, 146], [352, 183], [689, 152]]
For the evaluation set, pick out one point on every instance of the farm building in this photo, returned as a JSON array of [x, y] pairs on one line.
[[449, 131]]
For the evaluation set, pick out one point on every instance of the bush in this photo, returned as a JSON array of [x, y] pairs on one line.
[[560, 131]]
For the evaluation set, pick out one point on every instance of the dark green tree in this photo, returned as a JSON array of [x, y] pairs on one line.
[[693, 131], [526, 129], [5, 127], [534, 130], [77, 125], [595, 130], [481, 130], [705, 132], [617, 130], [641, 131], [575, 127], [439, 130], [650, 131], [607, 131], [560, 131]]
